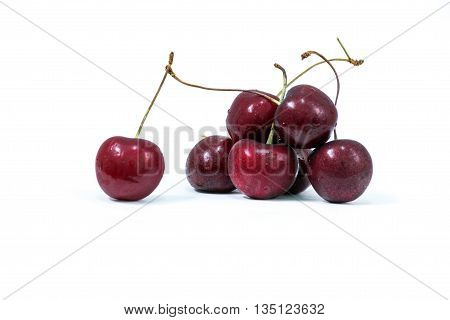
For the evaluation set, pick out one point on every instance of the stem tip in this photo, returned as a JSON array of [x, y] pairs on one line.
[[306, 54]]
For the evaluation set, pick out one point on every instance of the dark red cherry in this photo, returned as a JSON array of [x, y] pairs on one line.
[[251, 117], [301, 181], [262, 171], [129, 169], [341, 170], [207, 165], [306, 118]]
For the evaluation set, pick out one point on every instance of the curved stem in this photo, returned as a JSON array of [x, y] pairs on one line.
[[171, 55], [281, 96], [338, 83], [290, 82], [173, 75], [355, 62]]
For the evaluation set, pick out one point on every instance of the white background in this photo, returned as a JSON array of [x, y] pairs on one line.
[[190, 248]]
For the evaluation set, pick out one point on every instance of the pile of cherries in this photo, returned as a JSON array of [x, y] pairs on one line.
[[278, 145]]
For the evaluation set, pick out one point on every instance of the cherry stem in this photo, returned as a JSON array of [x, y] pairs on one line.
[[354, 62], [343, 48], [285, 83], [338, 84], [171, 55], [281, 96], [173, 75]]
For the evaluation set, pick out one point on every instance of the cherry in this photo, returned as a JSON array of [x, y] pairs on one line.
[[251, 116], [341, 170], [301, 181], [262, 171], [306, 117], [129, 169], [207, 165]]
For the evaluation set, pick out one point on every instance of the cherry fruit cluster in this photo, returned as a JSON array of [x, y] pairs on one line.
[[279, 144]]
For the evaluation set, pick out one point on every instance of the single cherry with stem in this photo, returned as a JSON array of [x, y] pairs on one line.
[[131, 168], [307, 116]]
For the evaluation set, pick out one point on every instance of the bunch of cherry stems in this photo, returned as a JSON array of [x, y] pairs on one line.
[[280, 94]]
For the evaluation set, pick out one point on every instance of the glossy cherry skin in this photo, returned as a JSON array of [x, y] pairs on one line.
[[301, 181], [306, 117], [262, 171], [250, 117], [207, 165], [341, 170], [129, 169]]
